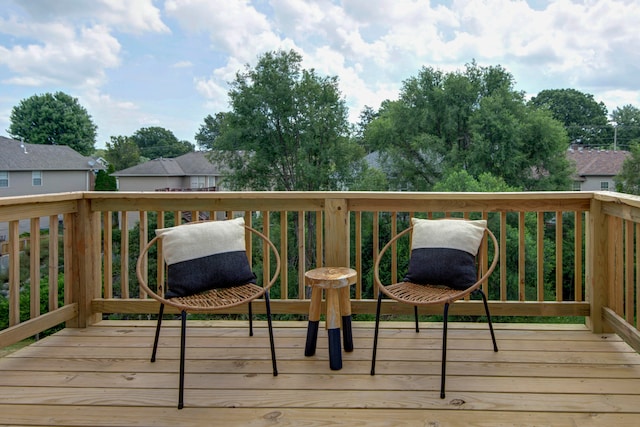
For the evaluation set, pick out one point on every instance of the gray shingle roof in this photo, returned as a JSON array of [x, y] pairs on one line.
[[597, 162], [190, 164], [18, 156]]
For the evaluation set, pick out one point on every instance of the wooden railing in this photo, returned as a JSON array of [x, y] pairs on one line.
[[562, 254]]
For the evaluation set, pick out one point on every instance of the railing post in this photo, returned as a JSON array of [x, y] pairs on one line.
[[85, 248], [336, 233], [597, 266]]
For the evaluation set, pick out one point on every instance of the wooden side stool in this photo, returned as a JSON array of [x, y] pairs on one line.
[[336, 282]]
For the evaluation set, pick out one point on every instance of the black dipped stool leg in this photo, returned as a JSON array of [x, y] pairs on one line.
[[347, 333], [312, 338], [314, 321], [335, 349]]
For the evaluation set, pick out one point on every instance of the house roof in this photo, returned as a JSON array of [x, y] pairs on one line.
[[597, 162], [19, 156], [190, 164]]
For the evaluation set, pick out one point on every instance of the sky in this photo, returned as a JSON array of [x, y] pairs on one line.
[[142, 63]]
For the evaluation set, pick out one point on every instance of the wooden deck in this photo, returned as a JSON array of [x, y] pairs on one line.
[[543, 375]]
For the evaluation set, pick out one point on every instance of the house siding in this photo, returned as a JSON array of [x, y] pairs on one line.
[[149, 183], [20, 182]]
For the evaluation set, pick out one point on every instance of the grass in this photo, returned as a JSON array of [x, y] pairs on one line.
[[15, 347]]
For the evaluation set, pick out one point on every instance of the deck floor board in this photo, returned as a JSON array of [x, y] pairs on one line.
[[553, 375]]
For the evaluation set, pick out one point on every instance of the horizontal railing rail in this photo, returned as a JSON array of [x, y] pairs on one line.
[[562, 254]]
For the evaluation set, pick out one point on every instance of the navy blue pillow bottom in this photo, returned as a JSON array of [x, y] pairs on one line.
[[442, 266], [197, 275]]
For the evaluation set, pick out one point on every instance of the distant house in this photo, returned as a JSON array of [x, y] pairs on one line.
[[189, 172], [595, 169], [37, 169], [27, 169]]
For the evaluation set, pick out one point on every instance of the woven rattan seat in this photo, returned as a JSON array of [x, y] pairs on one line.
[[217, 299], [411, 293], [209, 301], [425, 294]]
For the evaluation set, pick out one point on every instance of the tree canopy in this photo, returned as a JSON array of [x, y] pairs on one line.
[[472, 120], [155, 142], [54, 119], [627, 126], [287, 129], [584, 119], [122, 152]]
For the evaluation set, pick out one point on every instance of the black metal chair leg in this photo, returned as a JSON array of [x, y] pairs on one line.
[[271, 341], [444, 350], [375, 335], [250, 320], [486, 309], [415, 312], [183, 339], [155, 341]]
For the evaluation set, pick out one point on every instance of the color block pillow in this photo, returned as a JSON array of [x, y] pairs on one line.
[[205, 255], [443, 252]]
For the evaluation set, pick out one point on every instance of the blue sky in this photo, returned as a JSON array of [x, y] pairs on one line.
[[140, 63]]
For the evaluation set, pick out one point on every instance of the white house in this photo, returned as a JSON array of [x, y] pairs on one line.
[[595, 169]]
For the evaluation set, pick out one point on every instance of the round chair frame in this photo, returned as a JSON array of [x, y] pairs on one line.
[[425, 294], [209, 301]]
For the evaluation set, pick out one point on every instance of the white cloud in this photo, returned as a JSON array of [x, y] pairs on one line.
[[183, 64], [125, 15], [234, 27], [64, 56], [105, 49], [71, 42]]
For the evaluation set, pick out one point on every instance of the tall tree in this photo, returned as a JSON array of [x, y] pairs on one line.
[[122, 152], [523, 145], [627, 126], [54, 119], [473, 120], [287, 129], [584, 118], [210, 130], [628, 180], [155, 142]]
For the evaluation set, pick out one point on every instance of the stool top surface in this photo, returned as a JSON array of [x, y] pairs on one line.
[[331, 277]]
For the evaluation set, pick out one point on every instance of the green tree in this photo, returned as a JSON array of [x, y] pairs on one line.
[[523, 145], [628, 180], [122, 152], [54, 119], [210, 130], [462, 181], [155, 142], [287, 129], [104, 180], [473, 120], [584, 118], [627, 126]]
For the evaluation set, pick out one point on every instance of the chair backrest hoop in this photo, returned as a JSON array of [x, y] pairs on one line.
[[154, 294]]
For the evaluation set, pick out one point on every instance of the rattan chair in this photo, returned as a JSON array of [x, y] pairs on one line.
[[420, 295], [209, 302]]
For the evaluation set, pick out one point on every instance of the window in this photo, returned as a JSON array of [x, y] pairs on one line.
[[604, 185], [4, 179], [36, 178], [197, 182]]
